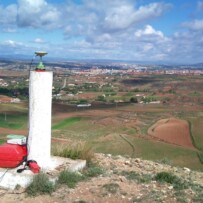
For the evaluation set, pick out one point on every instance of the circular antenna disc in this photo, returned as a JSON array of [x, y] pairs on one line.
[[40, 53]]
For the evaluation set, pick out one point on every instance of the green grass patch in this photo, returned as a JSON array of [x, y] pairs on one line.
[[197, 131], [93, 171], [13, 120], [40, 185], [113, 147], [166, 177], [69, 178], [200, 155], [128, 94], [86, 131], [195, 94], [139, 178], [148, 99], [150, 150], [132, 131], [191, 135], [12, 107], [178, 156], [66, 123], [180, 185], [165, 161]]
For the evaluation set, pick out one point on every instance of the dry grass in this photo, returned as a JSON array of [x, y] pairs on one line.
[[77, 150]]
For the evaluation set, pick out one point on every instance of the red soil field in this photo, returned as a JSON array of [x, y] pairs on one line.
[[172, 130], [10, 131]]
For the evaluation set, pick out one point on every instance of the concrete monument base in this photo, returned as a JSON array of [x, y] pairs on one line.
[[9, 178]]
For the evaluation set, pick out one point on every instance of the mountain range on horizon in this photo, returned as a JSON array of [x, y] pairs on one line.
[[51, 59]]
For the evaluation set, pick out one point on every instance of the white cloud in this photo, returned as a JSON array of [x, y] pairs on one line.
[[102, 38], [151, 45], [35, 5], [194, 25], [9, 47], [93, 16], [152, 10], [8, 14], [11, 43], [123, 16], [148, 31], [117, 29], [120, 17], [186, 47], [39, 41], [37, 14]]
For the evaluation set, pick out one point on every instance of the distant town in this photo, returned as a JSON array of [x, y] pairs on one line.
[[105, 67], [85, 83]]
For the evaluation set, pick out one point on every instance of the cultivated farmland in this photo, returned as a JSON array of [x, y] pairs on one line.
[[148, 116]]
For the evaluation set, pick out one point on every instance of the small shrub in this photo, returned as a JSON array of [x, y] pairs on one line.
[[166, 177], [69, 178], [70, 153], [40, 185], [83, 101], [17, 187], [165, 161], [133, 100], [101, 98], [93, 171], [73, 152]]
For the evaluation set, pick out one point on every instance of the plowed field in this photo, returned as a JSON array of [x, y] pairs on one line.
[[172, 130]]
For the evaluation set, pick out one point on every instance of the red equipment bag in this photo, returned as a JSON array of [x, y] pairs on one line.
[[12, 155], [34, 167]]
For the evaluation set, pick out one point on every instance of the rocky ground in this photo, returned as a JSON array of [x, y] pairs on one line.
[[124, 180]]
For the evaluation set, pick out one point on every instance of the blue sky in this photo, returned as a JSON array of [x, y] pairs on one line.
[[138, 30]]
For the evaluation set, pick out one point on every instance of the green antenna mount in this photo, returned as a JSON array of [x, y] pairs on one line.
[[40, 66]]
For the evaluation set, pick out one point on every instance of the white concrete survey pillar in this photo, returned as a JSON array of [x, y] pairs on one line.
[[40, 103]]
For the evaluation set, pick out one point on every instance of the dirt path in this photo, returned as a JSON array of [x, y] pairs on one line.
[[131, 145]]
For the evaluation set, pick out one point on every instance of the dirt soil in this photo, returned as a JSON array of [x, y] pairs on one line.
[[114, 186], [172, 130], [10, 131]]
